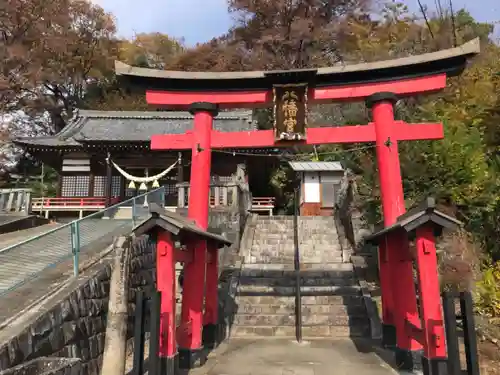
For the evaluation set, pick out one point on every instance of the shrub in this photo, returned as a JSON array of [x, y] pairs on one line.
[[487, 293]]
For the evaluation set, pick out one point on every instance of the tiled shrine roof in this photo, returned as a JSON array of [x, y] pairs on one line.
[[130, 127]]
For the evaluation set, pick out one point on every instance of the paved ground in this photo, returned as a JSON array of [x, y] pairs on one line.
[[284, 357]]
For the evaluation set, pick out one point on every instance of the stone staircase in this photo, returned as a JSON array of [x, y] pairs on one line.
[[332, 305]]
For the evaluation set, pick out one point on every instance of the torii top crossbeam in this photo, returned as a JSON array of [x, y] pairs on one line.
[[403, 77]]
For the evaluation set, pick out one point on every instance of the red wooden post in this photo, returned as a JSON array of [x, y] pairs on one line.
[[190, 330], [388, 327], [435, 358], [199, 187], [190, 342], [396, 269], [210, 318], [165, 266]]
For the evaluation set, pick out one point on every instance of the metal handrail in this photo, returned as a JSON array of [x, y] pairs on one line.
[[22, 264], [296, 263], [8, 248]]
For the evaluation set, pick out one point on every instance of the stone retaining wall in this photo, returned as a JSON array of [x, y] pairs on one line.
[[228, 222], [349, 215], [47, 366], [72, 322]]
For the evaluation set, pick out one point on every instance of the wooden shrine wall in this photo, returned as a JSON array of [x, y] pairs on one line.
[[84, 175]]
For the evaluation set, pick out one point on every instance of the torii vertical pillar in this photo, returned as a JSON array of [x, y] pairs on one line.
[[396, 268], [190, 340], [434, 361], [210, 320]]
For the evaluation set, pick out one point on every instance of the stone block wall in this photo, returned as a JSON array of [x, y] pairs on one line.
[[46, 366], [352, 226], [72, 324], [225, 221]]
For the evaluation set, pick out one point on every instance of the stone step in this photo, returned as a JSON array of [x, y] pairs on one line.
[[290, 261], [307, 332], [280, 231], [254, 259], [277, 259], [303, 221], [304, 266], [323, 258], [313, 273], [289, 234], [304, 250], [288, 308], [305, 290], [348, 300], [276, 320], [271, 254], [289, 244], [304, 282]]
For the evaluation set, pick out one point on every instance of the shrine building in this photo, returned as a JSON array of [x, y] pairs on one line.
[[97, 144]]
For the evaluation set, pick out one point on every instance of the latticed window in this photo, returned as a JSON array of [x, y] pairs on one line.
[[171, 194], [170, 189], [116, 185], [75, 186], [100, 186]]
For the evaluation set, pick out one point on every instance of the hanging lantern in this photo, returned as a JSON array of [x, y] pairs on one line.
[[143, 186], [155, 184]]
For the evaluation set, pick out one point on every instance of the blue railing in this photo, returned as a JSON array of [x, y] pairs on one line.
[[24, 261]]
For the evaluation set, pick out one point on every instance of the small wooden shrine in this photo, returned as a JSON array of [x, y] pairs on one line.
[[319, 186]]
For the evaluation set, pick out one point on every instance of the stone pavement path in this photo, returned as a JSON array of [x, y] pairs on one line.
[[285, 357]]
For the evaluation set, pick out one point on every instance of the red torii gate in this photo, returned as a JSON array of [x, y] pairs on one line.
[[380, 84]]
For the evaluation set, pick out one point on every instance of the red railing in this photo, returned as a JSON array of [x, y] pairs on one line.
[[263, 202], [216, 201], [72, 202]]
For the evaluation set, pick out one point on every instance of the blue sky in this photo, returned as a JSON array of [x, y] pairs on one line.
[[200, 20]]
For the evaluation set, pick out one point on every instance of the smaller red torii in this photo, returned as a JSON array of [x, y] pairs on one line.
[[170, 228]]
